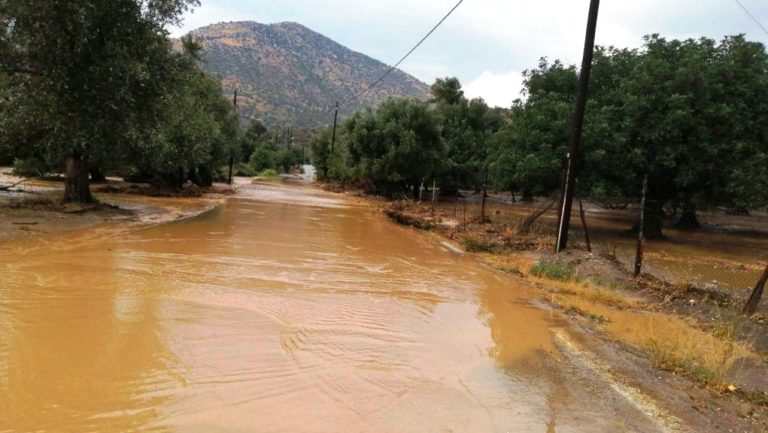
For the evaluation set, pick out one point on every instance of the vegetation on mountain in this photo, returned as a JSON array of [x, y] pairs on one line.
[[288, 75]]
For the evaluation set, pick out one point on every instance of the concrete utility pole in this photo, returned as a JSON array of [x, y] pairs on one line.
[[576, 128]]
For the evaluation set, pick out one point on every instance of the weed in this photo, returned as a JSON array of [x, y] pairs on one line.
[[475, 245], [552, 270], [512, 270], [574, 310]]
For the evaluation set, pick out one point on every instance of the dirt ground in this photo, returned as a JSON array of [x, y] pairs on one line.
[[33, 207], [682, 342], [644, 334]]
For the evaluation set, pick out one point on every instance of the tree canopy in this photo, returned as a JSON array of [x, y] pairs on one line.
[[96, 82]]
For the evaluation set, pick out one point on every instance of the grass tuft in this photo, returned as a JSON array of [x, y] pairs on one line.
[[552, 270], [475, 245]]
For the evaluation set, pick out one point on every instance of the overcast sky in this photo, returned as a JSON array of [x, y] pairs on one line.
[[488, 43]]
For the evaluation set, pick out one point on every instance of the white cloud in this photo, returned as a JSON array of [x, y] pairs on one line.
[[427, 69], [498, 89], [209, 12], [488, 35]]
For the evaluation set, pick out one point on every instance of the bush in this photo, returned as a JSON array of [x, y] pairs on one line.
[[269, 173], [244, 169], [30, 167], [552, 270]]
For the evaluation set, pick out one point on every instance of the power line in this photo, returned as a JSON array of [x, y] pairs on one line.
[[754, 18], [384, 75]]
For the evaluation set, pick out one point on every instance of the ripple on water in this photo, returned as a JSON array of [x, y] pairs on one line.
[[273, 314]]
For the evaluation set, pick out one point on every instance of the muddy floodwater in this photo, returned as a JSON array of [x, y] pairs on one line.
[[285, 309]]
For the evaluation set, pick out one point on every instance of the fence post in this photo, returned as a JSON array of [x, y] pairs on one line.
[[641, 231]]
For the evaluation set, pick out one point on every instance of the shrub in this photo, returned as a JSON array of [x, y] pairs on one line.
[[243, 169], [30, 167], [269, 173]]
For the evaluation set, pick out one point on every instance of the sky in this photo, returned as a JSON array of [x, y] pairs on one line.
[[488, 43]]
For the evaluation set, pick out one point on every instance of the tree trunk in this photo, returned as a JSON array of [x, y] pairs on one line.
[[757, 293], [525, 226], [201, 176], [77, 188], [205, 176], [584, 226], [652, 221], [483, 218], [173, 180], [688, 219], [96, 174], [639, 251]]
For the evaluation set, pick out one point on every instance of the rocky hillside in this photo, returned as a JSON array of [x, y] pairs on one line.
[[287, 74]]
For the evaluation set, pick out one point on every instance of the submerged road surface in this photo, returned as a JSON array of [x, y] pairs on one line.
[[285, 310]]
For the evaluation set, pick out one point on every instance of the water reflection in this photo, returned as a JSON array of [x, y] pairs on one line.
[[81, 351]]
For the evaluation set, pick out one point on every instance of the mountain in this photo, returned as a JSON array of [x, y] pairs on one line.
[[288, 75]]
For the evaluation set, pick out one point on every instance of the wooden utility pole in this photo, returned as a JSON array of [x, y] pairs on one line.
[[335, 119], [333, 136], [641, 232], [576, 128], [231, 157]]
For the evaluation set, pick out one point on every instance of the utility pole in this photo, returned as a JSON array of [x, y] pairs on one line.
[[231, 157], [576, 128], [335, 119], [333, 135]]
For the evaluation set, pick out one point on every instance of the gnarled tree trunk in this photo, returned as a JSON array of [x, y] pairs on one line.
[[77, 188], [688, 220], [201, 177], [96, 174]]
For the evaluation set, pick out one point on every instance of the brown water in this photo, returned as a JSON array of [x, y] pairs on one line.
[[729, 253], [285, 310]]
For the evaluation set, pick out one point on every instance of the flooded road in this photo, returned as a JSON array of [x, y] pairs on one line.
[[284, 310]]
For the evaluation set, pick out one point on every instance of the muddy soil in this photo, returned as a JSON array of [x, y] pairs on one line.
[[32, 207], [302, 310], [610, 322]]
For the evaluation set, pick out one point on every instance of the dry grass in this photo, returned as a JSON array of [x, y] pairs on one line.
[[593, 292], [606, 296], [705, 358]]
